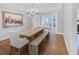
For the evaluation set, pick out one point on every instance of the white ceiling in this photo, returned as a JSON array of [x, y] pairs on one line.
[[42, 7]]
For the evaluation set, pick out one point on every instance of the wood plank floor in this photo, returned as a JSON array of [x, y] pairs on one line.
[[54, 46]]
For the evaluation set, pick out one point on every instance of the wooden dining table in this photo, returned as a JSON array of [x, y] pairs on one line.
[[32, 33]]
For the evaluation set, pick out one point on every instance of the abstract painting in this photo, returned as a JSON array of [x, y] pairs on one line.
[[11, 19]]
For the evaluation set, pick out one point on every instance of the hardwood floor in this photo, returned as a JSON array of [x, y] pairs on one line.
[[54, 46]]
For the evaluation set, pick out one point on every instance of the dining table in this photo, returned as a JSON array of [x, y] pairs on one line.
[[31, 33]]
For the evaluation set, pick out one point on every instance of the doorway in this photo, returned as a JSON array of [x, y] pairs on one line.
[[48, 22]]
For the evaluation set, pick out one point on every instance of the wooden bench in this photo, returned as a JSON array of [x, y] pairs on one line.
[[33, 46]]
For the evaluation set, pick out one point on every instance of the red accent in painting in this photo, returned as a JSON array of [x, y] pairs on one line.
[[10, 20]]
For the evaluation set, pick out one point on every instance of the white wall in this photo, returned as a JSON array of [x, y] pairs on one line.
[[26, 22], [36, 21], [60, 21], [70, 28]]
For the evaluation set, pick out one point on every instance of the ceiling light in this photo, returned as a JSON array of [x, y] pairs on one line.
[[32, 11]]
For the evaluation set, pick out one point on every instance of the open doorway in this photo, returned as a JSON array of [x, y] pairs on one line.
[[48, 22]]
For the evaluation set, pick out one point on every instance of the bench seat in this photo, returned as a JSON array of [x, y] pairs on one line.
[[33, 46]]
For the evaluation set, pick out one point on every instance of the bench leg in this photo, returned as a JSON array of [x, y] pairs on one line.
[[33, 50]]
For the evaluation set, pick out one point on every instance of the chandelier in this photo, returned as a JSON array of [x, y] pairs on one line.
[[32, 11]]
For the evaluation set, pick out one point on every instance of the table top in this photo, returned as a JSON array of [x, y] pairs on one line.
[[30, 32]]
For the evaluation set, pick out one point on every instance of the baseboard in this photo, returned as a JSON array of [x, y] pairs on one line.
[[66, 45]]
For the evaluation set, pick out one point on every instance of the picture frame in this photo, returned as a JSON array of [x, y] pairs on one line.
[[10, 19]]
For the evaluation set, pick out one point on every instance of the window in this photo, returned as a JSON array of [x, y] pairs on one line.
[[48, 21]]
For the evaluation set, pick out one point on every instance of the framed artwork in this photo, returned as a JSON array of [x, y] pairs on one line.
[[11, 19]]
